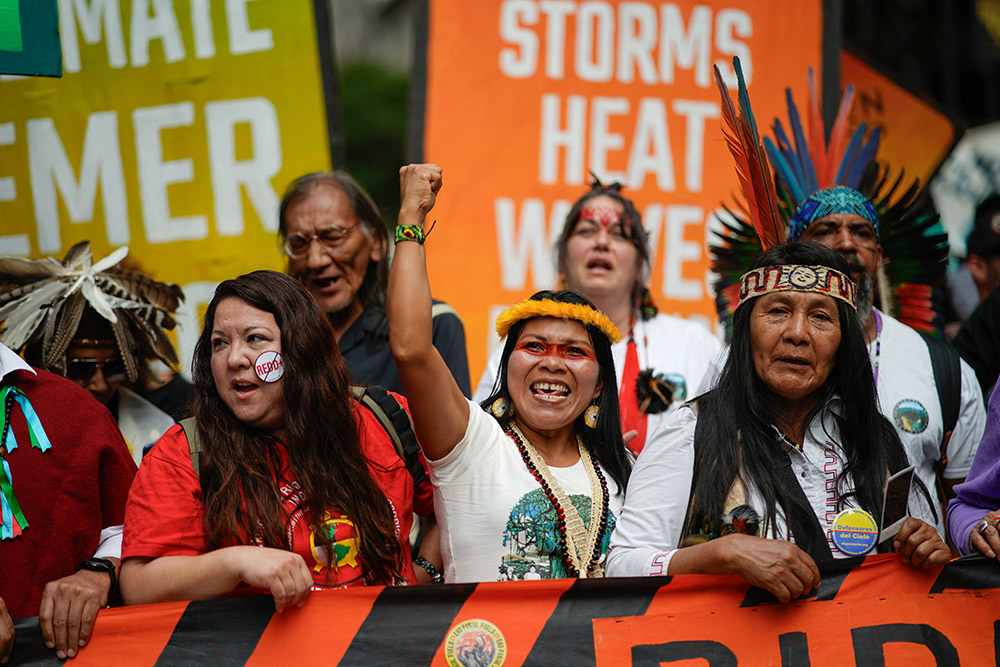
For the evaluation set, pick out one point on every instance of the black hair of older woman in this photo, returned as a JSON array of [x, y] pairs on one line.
[[376, 280], [604, 443], [632, 224], [739, 440], [239, 463]]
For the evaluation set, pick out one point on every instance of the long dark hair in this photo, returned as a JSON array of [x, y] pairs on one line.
[[376, 281], [737, 438], [604, 443], [240, 463], [632, 225]]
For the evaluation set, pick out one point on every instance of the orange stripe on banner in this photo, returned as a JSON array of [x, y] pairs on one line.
[[951, 629], [696, 592], [132, 636], [318, 633], [518, 610], [886, 574]]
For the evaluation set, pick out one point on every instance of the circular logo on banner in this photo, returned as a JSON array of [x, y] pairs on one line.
[[854, 532], [269, 366], [910, 416], [475, 643]]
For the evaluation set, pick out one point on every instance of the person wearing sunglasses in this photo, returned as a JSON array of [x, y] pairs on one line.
[[102, 337], [337, 246]]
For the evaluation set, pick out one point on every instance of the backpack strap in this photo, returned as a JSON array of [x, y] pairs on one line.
[[190, 426], [948, 377], [397, 424], [443, 309], [394, 419]]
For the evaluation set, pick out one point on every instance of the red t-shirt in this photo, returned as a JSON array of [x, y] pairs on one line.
[[165, 516], [68, 493]]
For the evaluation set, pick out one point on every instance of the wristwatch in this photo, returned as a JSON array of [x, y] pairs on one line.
[[101, 565]]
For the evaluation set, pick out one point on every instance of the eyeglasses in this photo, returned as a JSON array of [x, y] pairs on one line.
[[332, 239], [81, 370]]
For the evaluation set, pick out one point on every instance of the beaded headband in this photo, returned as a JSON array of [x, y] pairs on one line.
[[566, 311], [830, 202], [797, 278]]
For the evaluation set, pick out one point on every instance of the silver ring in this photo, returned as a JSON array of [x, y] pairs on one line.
[[982, 526]]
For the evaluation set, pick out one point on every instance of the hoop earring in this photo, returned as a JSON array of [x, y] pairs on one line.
[[590, 416], [500, 407]]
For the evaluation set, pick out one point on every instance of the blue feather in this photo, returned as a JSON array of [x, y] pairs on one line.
[[784, 170], [801, 146], [850, 154], [866, 155], [785, 146]]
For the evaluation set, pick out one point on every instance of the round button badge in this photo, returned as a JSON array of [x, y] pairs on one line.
[[269, 366], [854, 532]]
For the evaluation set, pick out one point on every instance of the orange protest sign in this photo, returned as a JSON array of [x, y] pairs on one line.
[[524, 98], [916, 136]]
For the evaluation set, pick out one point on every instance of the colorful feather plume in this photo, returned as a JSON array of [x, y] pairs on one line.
[[752, 167], [914, 249]]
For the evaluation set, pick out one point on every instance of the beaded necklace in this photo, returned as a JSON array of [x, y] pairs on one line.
[[575, 542]]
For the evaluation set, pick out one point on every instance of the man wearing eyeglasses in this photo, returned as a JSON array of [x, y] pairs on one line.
[[337, 247]]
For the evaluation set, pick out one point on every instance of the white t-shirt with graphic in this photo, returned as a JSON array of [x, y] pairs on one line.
[[496, 522]]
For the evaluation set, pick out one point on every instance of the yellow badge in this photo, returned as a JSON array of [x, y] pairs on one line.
[[475, 643]]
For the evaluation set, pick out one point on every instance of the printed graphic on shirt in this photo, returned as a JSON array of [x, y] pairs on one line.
[[910, 416], [532, 538], [347, 567]]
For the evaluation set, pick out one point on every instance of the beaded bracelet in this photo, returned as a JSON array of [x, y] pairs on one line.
[[436, 576], [412, 233]]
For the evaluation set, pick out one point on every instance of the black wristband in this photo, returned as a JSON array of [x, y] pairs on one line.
[[101, 565], [431, 570]]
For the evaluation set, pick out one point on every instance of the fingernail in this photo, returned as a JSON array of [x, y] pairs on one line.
[[61, 653], [50, 644], [71, 652], [83, 642], [991, 554]]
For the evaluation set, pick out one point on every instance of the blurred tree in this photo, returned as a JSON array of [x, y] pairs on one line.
[[373, 110]]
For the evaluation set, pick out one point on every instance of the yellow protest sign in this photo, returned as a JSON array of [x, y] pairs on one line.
[[174, 130]]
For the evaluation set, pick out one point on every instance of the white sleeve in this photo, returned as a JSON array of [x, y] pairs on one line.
[[968, 429], [651, 522], [110, 545], [485, 387]]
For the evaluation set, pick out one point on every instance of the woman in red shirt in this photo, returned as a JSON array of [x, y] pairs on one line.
[[298, 488]]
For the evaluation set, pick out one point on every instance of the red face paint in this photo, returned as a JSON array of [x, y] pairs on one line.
[[604, 215], [563, 351]]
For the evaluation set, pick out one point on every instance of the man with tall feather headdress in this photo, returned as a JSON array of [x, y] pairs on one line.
[[95, 323], [834, 192]]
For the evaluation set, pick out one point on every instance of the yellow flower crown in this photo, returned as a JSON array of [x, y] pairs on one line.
[[566, 311]]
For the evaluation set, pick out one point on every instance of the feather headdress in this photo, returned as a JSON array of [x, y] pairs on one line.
[[752, 167], [42, 303], [913, 268]]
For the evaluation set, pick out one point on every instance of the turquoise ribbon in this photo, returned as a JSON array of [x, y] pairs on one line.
[[12, 520]]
